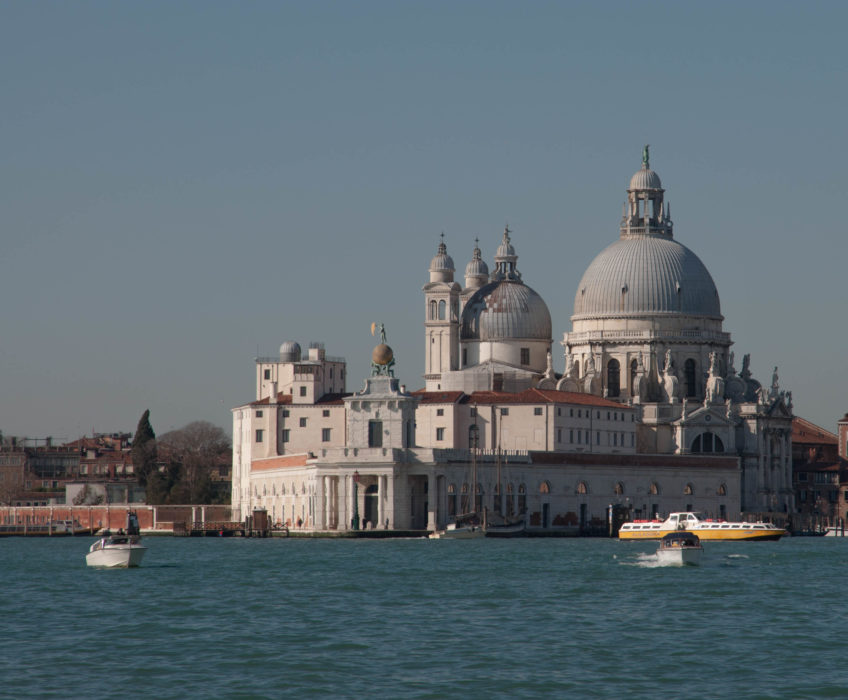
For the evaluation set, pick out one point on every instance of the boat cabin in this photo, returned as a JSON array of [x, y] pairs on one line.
[[680, 539], [680, 521]]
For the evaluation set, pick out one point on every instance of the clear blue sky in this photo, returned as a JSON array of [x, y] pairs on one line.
[[183, 183]]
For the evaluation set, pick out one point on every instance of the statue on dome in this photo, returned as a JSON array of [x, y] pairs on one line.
[[731, 370], [774, 391], [645, 156], [746, 367], [715, 384]]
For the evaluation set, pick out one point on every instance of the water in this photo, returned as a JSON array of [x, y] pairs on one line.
[[250, 618]]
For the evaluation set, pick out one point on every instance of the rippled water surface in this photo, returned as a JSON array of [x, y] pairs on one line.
[[251, 618]]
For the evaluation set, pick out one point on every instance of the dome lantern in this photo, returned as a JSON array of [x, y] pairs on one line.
[[644, 213], [476, 271]]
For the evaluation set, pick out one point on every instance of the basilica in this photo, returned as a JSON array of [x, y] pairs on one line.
[[650, 414]]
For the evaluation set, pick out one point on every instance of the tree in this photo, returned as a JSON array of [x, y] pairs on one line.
[[197, 448], [144, 451]]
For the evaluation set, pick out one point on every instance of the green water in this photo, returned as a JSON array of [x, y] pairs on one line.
[[534, 618]]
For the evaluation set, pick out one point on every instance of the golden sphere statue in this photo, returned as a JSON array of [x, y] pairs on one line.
[[382, 355]]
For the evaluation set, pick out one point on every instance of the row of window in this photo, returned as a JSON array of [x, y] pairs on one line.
[[326, 434], [582, 488], [813, 496]]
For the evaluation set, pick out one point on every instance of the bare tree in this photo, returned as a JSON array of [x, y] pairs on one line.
[[197, 448]]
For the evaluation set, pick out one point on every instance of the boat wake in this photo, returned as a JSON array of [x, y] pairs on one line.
[[648, 561]]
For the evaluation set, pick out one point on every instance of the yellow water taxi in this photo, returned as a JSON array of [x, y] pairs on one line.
[[705, 529]]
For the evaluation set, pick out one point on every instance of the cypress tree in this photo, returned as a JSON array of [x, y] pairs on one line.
[[144, 450]]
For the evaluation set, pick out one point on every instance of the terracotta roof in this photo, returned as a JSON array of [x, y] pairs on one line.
[[278, 462], [805, 432], [337, 399], [542, 396], [281, 398], [438, 396]]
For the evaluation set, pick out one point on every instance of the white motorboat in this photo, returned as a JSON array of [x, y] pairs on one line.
[[118, 550], [680, 548], [466, 527]]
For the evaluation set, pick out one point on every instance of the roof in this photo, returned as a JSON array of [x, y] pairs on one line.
[[805, 432], [646, 275], [279, 462], [528, 396], [438, 396]]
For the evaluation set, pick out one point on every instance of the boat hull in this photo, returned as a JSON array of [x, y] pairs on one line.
[[458, 533], [680, 556], [116, 557], [737, 534]]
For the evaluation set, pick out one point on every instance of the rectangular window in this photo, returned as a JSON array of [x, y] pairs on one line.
[[326, 413], [571, 436], [465, 357], [846, 496], [285, 413], [302, 422], [559, 411], [325, 435], [267, 374], [440, 411], [303, 391], [286, 435], [803, 495], [579, 413], [537, 411], [440, 434], [571, 412], [559, 439], [525, 356], [597, 438], [331, 372], [504, 411], [473, 412], [259, 435], [375, 433], [259, 414]]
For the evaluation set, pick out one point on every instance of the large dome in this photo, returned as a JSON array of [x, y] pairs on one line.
[[646, 275], [505, 310]]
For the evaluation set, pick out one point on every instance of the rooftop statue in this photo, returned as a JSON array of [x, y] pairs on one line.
[[645, 156]]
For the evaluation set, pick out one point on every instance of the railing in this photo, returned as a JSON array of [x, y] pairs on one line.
[[589, 336]]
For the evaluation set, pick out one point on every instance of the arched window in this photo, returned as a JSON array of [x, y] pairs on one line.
[[654, 489], [688, 490], [613, 378], [442, 310], [633, 368], [689, 372], [582, 488], [707, 442], [722, 490], [432, 310], [451, 500], [473, 437], [545, 487], [510, 508], [522, 499], [618, 489]]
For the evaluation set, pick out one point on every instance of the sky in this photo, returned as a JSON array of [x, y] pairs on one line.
[[186, 185]]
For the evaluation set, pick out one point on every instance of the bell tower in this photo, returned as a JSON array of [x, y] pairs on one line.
[[441, 321]]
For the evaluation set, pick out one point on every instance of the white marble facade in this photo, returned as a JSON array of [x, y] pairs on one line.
[[650, 413]]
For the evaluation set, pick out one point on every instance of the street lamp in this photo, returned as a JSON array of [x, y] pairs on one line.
[[356, 500]]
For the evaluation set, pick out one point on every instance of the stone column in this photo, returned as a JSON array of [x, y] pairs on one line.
[[381, 501], [390, 501], [432, 501]]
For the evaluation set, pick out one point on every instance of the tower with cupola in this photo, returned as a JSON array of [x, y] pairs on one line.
[[441, 308]]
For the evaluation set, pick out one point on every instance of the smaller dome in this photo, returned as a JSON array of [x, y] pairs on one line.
[[506, 249], [442, 261], [645, 179], [290, 352], [477, 267], [382, 355]]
